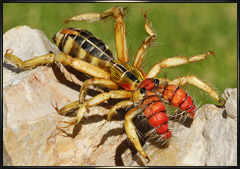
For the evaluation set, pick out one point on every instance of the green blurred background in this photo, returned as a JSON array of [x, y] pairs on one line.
[[182, 29]]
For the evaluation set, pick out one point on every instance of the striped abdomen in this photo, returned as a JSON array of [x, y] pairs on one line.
[[154, 111], [82, 44]]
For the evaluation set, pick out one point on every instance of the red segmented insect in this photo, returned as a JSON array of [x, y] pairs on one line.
[[154, 110], [171, 94], [177, 97]]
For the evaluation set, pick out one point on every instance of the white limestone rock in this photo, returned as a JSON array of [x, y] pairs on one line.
[[231, 105], [31, 136]]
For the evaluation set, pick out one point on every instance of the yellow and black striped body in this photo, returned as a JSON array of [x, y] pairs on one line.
[[126, 75], [82, 44]]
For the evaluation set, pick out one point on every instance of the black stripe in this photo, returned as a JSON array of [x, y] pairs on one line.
[[183, 100], [156, 113], [108, 52], [77, 38], [150, 102], [126, 72], [95, 52], [161, 126], [123, 69], [107, 55], [190, 107], [87, 46], [94, 40], [104, 56], [131, 76], [84, 33], [101, 46], [174, 94]]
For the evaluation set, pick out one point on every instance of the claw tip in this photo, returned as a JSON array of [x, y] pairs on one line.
[[148, 159], [212, 53]]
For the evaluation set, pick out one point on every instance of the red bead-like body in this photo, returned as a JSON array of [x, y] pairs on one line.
[[147, 83], [154, 110], [171, 93], [177, 97]]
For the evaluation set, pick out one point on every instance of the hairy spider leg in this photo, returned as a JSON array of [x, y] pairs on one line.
[[117, 106], [176, 61], [181, 60], [145, 43], [100, 98], [61, 57], [131, 132], [193, 80]]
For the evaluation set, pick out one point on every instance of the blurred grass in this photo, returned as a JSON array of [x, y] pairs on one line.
[[184, 28]]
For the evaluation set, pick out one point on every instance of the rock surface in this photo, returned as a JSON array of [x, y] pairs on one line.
[[30, 123]]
